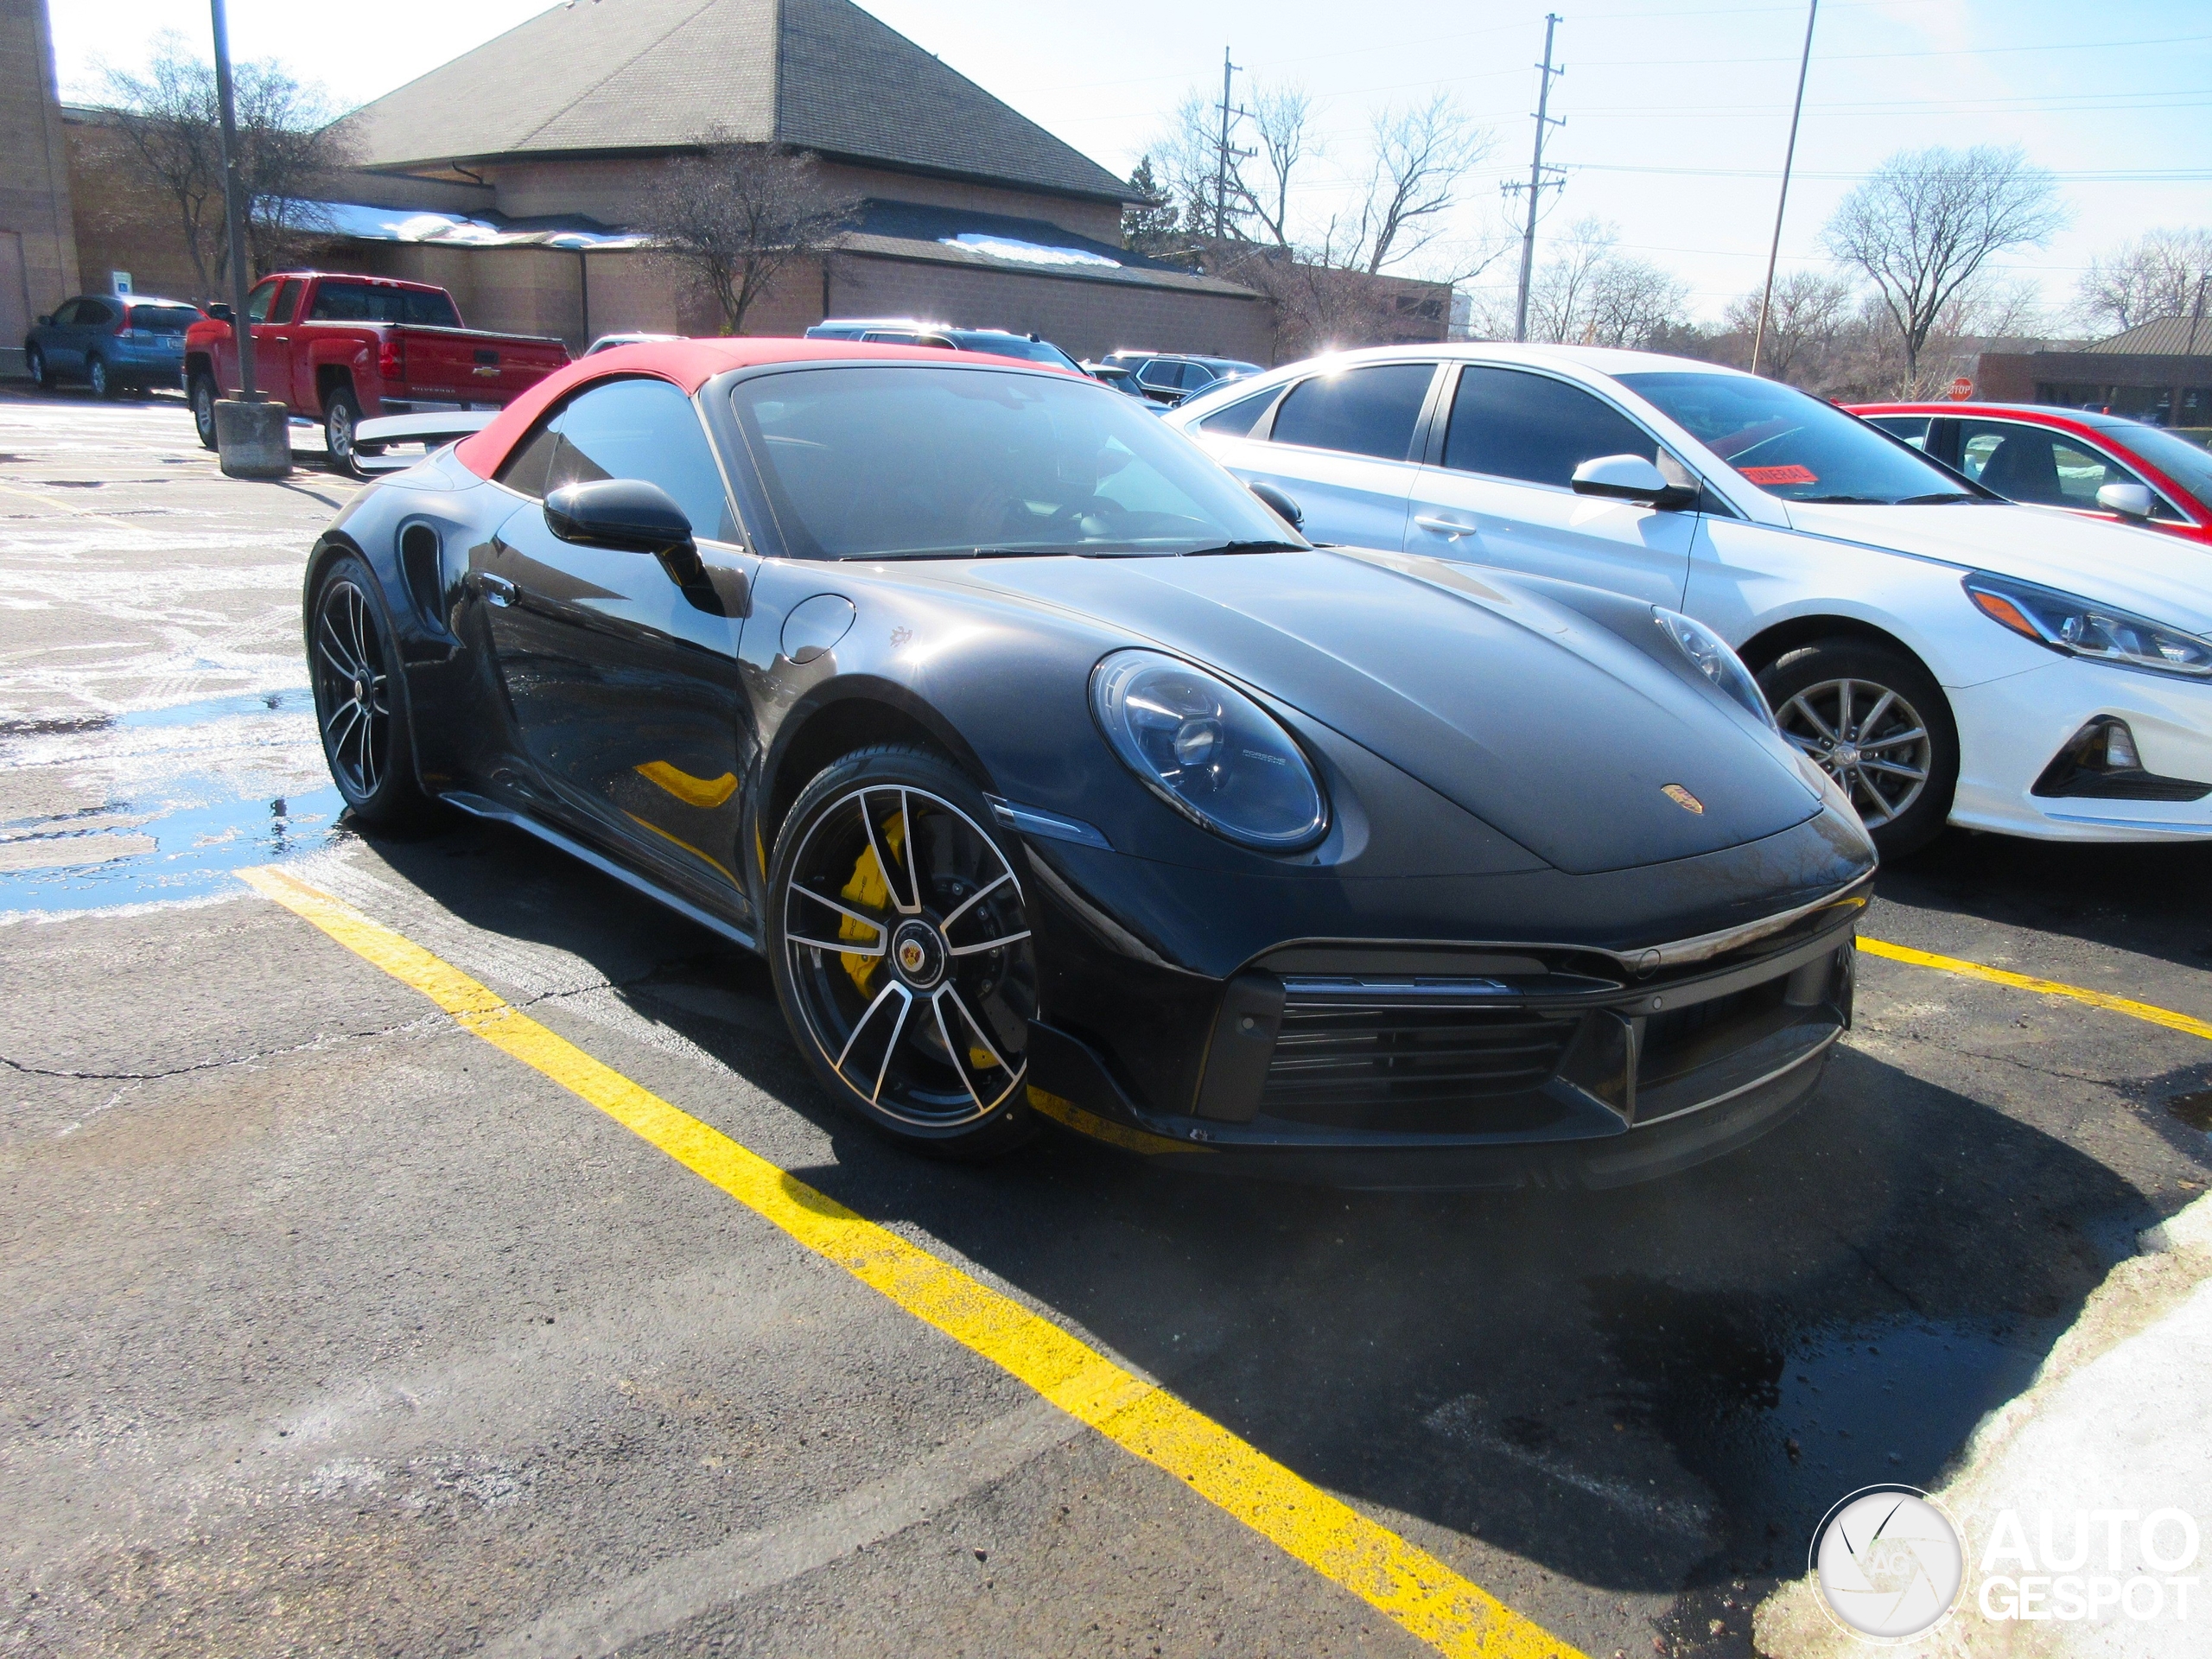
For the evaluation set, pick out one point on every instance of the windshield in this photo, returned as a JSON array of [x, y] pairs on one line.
[[1792, 445], [2188, 464], [162, 319], [870, 462], [367, 302]]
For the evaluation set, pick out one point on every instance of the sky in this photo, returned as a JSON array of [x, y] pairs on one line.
[[1677, 110]]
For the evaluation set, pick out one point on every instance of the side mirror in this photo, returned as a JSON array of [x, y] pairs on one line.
[[2128, 500], [1621, 478], [1280, 504], [46, 321], [624, 514], [220, 311]]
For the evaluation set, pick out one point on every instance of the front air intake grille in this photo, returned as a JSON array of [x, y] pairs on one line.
[[1438, 1069]]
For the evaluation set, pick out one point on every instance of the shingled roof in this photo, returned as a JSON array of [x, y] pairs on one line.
[[631, 75], [2161, 337]]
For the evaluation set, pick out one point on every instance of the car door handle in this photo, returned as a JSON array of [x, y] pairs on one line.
[[1449, 528], [497, 590]]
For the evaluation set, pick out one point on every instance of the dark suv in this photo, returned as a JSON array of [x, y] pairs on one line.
[[905, 331], [1170, 376], [111, 341]]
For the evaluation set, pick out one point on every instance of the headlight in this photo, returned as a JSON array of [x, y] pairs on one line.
[[1207, 750], [2078, 627], [1715, 660]]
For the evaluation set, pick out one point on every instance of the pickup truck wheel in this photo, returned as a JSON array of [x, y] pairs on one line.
[[202, 392], [104, 384], [42, 376], [341, 413]]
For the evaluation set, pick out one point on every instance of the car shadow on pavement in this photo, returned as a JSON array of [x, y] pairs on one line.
[[1642, 1390], [2147, 898]]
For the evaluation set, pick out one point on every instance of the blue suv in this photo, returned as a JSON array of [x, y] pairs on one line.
[[111, 341]]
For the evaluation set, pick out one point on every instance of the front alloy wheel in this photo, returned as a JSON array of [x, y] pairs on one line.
[[1875, 720], [903, 951]]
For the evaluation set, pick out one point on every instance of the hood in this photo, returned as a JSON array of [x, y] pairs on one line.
[[1538, 721], [2166, 578]]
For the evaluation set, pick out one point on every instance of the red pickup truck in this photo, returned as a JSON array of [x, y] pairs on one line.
[[341, 349]]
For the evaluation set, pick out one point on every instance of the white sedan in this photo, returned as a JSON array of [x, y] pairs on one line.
[[1945, 656]]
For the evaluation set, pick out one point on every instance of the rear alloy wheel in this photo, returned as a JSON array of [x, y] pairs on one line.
[[358, 703], [902, 952], [341, 413], [201, 394], [1875, 723], [103, 383], [41, 376]]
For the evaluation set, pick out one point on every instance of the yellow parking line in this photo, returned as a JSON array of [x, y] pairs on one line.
[[1398, 1578], [2157, 1016]]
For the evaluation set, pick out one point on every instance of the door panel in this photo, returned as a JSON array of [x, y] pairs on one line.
[[625, 690], [1550, 532]]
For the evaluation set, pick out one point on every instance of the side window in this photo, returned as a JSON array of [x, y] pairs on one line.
[[257, 303], [2022, 463], [1240, 416], [629, 429], [94, 314], [287, 302], [1367, 411], [65, 315], [1506, 423], [1167, 376], [889, 337], [1913, 428]]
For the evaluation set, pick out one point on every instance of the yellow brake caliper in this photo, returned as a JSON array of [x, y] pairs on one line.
[[869, 888]]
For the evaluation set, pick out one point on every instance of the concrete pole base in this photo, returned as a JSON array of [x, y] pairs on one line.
[[253, 440]]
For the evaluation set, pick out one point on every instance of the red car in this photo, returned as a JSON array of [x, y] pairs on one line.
[[341, 349], [2102, 465]]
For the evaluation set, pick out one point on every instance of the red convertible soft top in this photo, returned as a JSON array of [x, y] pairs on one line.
[[687, 364]]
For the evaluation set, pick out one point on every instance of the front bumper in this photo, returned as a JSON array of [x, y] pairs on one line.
[[1387, 1065], [2011, 729]]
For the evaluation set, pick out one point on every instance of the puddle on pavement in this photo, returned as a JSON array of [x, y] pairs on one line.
[[225, 793], [1779, 1418]]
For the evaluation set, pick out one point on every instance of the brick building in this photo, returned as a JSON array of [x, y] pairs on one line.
[[2159, 371], [38, 245]]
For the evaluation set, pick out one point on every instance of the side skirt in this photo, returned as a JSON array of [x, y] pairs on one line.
[[476, 807]]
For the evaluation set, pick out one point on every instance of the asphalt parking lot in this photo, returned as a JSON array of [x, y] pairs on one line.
[[327, 1326]]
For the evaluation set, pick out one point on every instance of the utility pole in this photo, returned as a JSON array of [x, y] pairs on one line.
[[1788, 157], [1538, 182], [1223, 154]]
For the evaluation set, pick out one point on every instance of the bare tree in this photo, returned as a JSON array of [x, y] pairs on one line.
[[2162, 274], [1809, 312], [1422, 157], [735, 214], [1928, 221], [287, 147], [1590, 294]]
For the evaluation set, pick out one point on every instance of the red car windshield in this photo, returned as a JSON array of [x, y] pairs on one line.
[[1795, 446], [2188, 464]]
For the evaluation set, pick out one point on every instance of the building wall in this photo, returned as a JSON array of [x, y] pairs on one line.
[[2139, 386], [124, 220], [1086, 318], [38, 242]]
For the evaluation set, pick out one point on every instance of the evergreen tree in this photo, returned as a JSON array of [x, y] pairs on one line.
[[1149, 227]]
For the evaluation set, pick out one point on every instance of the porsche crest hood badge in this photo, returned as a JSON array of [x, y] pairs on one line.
[[1683, 799]]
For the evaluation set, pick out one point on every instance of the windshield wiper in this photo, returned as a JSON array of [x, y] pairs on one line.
[[1248, 546], [1941, 498]]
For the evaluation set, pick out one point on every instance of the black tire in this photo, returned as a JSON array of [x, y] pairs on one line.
[[41, 376], [200, 391], [361, 701], [1877, 722], [101, 378], [921, 1031], [341, 413]]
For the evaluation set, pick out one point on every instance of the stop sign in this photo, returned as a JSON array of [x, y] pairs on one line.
[[1961, 388]]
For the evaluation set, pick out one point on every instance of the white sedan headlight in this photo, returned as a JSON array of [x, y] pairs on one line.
[[2080, 627]]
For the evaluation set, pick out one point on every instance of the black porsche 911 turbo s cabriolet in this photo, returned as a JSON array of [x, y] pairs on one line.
[[1055, 772]]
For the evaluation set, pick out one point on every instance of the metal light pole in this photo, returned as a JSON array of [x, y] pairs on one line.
[[253, 437], [1789, 156], [234, 205]]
